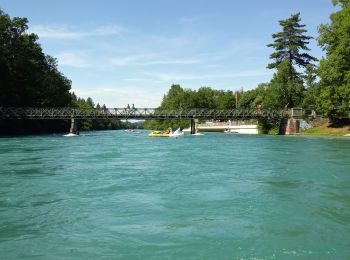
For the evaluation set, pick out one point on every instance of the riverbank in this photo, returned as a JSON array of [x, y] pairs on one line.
[[330, 129]]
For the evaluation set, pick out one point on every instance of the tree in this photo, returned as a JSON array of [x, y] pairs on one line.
[[179, 98], [253, 98], [174, 98], [226, 100], [312, 88], [289, 43], [285, 89], [28, 77], [205, 98], [342, 3], [334, 69]]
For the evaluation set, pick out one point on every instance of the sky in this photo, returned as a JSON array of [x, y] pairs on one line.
[[131, 52]]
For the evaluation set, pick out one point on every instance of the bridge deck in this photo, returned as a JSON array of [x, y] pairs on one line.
[[140, 113]]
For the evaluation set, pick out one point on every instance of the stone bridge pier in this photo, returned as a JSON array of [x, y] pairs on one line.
[[292, 126], [193, 126]]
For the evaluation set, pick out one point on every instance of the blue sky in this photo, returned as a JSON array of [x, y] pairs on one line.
[[121, 52]]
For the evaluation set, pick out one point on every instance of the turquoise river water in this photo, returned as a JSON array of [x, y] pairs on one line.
[[119, 195]]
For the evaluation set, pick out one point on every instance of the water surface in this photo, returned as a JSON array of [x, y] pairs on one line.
[[118, 195]]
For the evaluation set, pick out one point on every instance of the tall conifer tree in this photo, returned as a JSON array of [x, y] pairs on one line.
[[290, 44]]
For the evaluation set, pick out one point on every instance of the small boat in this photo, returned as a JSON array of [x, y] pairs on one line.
[[167, 133], [132, 131], [159, 134], [177, 133], [70, 135], [243, 129], [231, 131], [196, 132]]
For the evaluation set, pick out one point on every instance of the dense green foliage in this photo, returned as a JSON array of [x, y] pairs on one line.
[[285, 89], [28, 77], [290, 42], [334, 70], [204, 97], [177, 97]]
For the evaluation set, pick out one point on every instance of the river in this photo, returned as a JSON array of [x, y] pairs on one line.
[[119, 195]]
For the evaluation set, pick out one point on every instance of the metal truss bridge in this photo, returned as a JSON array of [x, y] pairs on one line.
[[144, 113]]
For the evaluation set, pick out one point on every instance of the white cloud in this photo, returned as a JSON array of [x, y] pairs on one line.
[[186, 20], [56, 32], [76, 59], [63, 31], [126, 61], [72, 60], [173, 62], [166, 40], [147, 62], [168, 77], [109, 30], [120, 96], [150, 59]]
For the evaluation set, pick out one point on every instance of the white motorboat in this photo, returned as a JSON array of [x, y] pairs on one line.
[[176, 133], [70, 135], [223, 127], [242, 129], [231, 131]]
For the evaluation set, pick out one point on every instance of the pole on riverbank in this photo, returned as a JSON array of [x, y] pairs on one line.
[[193, 126], [73, 126]]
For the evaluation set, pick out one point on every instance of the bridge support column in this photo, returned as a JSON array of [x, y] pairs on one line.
[[73, 126], [293, 126], [193, 126], [283, 126]]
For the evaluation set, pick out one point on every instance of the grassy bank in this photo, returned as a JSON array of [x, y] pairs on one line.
[[329, 129]]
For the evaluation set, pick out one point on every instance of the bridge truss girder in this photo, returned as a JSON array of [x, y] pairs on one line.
[[140, 113]]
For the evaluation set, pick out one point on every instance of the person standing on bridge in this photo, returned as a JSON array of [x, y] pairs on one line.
[[104, 109], [127, 109], [133, 109]]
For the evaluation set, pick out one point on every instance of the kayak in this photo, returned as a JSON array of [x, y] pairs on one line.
[[159, 134], [177, 133]]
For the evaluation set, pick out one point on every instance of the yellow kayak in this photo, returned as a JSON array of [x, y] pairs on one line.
[[159, 134]]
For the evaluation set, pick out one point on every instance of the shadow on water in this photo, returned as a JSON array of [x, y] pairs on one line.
[[335, 206], [46, 202], [339, 215], [18, 231], [292, 184], [30, 172]]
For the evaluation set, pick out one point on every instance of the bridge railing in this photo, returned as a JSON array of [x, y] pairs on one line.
[[139, 113]]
